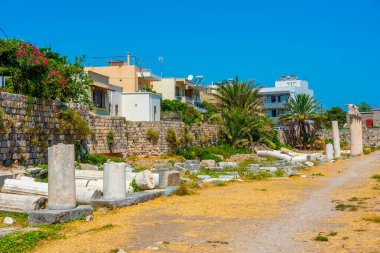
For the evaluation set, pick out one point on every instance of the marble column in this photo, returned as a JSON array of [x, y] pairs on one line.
[[329, 152], [114, 181], [356, 135], [61, 184], [336, 139]]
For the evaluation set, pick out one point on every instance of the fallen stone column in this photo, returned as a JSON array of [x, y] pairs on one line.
[[25, 178], [21, 203], [25, 187], [274, 154], [84, 195], [88, 174], [98, 185], [145, 180], [290, 152], [299, 159]]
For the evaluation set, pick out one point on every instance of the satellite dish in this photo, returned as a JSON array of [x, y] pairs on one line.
[[190, 77]]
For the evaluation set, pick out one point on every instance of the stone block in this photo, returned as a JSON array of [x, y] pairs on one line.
[[208, 163], [46, 216], [3, 177]]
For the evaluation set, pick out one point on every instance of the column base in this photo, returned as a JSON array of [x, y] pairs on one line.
[[46, 216]]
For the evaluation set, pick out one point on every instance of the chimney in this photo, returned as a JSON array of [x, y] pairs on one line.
[[128, 58]]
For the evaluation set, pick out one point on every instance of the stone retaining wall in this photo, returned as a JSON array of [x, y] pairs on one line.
[[371, 136], [29, 126], [140, 145]]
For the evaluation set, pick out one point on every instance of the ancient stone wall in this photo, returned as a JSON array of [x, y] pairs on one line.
[[371, 136], [28, 126], [140, 144], [102, 126]]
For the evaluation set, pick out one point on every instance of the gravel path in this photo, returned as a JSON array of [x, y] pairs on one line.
[[280, 235]]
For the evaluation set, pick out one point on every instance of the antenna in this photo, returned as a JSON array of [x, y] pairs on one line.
[[161, 59], [190, 77]]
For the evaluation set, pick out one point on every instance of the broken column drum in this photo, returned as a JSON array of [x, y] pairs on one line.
[[61, 190], [329, 152], [114, 183], [336, 139]]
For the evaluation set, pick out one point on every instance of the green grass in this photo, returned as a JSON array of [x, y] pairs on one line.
[[343, 207], [221, 183], [260, 175], [20, 220], [374, 218], [354, 199], [246, 162], [317, 174], [377, 177], [19, 242], [209, 152], [333, 233], [321, 238]]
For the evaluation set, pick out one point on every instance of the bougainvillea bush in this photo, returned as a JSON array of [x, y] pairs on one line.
[[42, 73]]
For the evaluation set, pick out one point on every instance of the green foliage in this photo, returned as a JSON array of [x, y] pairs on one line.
[[188, 113], [221, 183], [23, 242], [152, 135], [100, 159], [211, 113], [186, 138], [259, 175], [343, 207], [242, 118], [303, 122], [72, 124], [246, 162], [171, 137], [374, 218], [321, 238], [204, 152], [335, 113], [134, 186], [42, 73], [364, 107], [110, 140], [149, 89], [377, 177], [6, 122]]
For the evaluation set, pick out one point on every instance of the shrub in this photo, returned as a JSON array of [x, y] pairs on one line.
[[188, 113], [110, 140], [186, 138], [152, 135], [72, 124], [100, 159], [171, 137], [182, 191], [321, 238]]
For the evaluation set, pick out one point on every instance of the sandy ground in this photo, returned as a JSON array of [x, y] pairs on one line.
[[282, 215]]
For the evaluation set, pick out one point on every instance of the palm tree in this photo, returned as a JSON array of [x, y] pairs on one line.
[[241, 112], [239, 94], [302, 122]]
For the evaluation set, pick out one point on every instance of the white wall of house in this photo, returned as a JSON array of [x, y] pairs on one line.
[[166, 87], [141, 106]]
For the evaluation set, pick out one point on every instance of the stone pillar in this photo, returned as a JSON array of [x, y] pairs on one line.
[[336, 139], [356, 137], [329, 152], [114, 183], [61, 185]]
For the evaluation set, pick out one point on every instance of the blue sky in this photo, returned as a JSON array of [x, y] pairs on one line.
[[335, 45]]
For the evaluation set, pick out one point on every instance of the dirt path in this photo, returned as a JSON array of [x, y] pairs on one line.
[[255, 216], [280, 235]]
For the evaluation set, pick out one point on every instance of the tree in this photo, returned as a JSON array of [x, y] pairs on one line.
[[302, 123], [336, 113], [364, 107], [43, 73], [242, 118]]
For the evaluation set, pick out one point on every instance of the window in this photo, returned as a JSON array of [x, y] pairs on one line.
[[274, 113], [99, 98]]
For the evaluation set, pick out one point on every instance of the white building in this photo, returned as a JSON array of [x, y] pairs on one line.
[[285, 88], [141, 106], [180, 89]]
